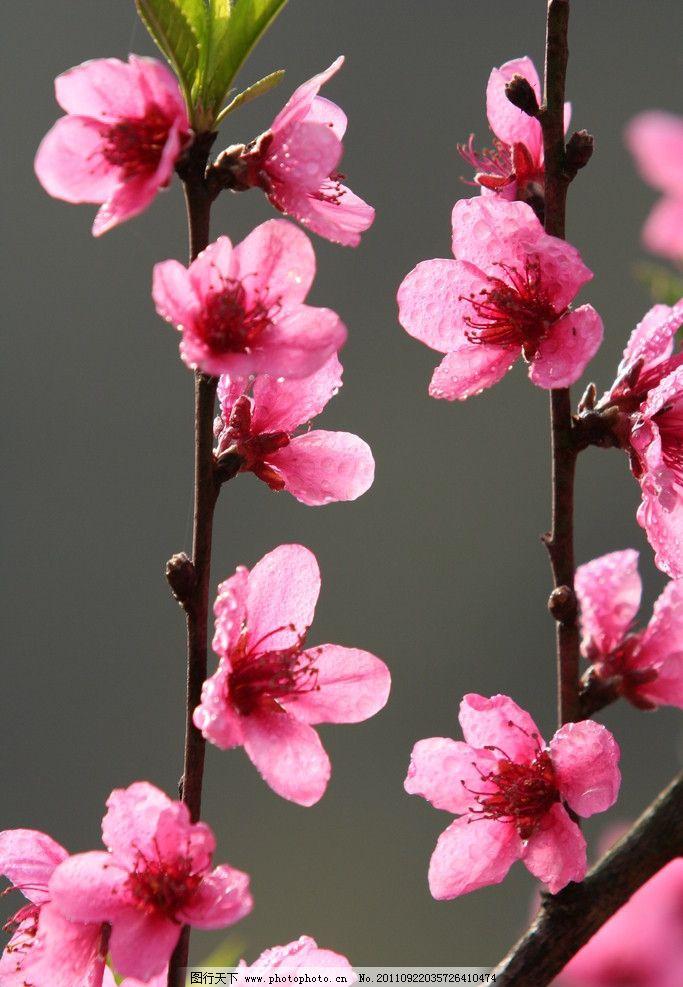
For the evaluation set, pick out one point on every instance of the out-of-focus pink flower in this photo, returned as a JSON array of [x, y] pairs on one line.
[[640, 946], [648, 358], [304, 953], [507, 293], [155, 878], [646, 667], [656, 141], [509, 791], [269, 688], [45, 950], [316, 467], [125, 127], [295, 163], [241, 309], [513, 168]]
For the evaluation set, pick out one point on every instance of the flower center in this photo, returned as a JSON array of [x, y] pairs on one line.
[[136, 145], [162, 887], [258, 681], [231, 324], [253, 449], [524, 793], [511, 310]]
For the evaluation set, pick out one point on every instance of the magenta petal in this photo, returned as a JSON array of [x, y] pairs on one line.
[[321, 467], [661, 648], [222, 899], [500, 722], [283, 405], [303, 953], [214, 716], [61, 954], [299, 342], [230, 611], [469, 856], [608, 590], [446, 772], [556, 853], [288, 755], [283, 590], [567, 348], [276, 262], [212, 267], [432, 305], [106, 88], [141, 945], [300, 102], [128, 200], [662, 519], [89, 887], [334, 212], [663, 230], [131, 821], [173, 295], [655, 139], [27, 859], [310, 154], [652, 340], [467, 370], [351, 686], [176, 837], [69, 163], [585, 756], [509, 124], [326, 112]]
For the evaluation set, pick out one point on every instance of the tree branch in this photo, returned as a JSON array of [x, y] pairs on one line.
[[566, 921]]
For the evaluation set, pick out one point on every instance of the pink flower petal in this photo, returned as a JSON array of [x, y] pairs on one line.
[[568, 347], [141, 945], [106, 88], [69, 163], [303, 953], [172, 292], [661, 647], [230, 611], [652, 340], [326, 112], [89, 887], [663, 523], [499, 722], [288, 755], [128, 200], [61, 954], [300, 102], [432, 303], [283, 405], [222, 899], [509, 124], [130, 825], [283, 591], [663, 230], [215, 265], [556, 853], [309, 155], [276, 262], [27, 859], [655, 139], [215, 717], [469, 856], [667, 688], [351, 686], [469, 369], [176, 837], [229, 389], [333, 211], [585, 756], [321, 467], [608, 590], [446, 772], [160, 86]]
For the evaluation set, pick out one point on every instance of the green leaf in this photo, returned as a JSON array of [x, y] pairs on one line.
[[252, 92], [173, 25], [235, 28]]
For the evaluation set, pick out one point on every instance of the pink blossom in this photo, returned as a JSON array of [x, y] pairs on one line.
[[514, 166], [302, 954], [640, 946], [241, 309], [511, 793], [45, 950], [507, 293], [656, 141], [269, 688], [295, 163], [154, 878], [316, 467], [124, 130], [645, 666], [648, 358]]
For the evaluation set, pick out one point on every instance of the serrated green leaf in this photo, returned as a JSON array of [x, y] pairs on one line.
[[259, 88], [197, 15], [172, 31]]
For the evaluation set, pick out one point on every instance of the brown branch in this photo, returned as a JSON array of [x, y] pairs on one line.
[[567, 921]]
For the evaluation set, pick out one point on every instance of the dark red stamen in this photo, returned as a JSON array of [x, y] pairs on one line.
[[259, 680], [136, 145], [232, 323], [162, 887]]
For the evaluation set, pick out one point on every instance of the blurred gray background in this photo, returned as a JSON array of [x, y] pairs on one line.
[[438, 569]]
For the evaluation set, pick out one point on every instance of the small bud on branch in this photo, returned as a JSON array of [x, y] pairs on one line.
[[578, 152], [181, 576], [521, 94]]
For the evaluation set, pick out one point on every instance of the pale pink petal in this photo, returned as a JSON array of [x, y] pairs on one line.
[[161, 980], [89, 887], [230, 611], [215, 265], [106, 88], [176, 837], [309, 155], [283, 590], [301, 100], [128, 200], [608, 590], [661, 647], [27, 860], [167, 162], [334, 212], [61, 954], [222, 899], [470, 368], [469, 856], [324, 111], [655, 139], [499, 722], [433, 303], [160, 87], [652, 340], [173, 295], [663, 230], [350, 686], [321, 467], [229, 389], [556, 853], [131, 821], [283, 405], [69, 163], [303, 953], [288, 755], [276, 263], [567, 349], [585, 756], [446, 772], [662, 518], [509, 124], [141, 945], [667, 688], [215, 717]]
